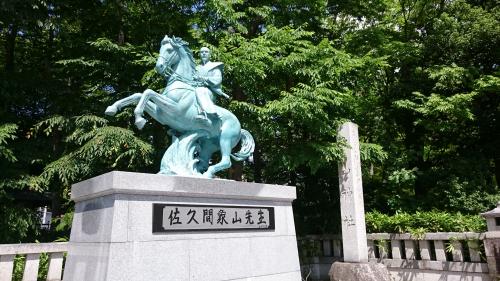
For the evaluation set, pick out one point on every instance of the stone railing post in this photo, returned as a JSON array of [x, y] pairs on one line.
[[492, 241], [32, 251]]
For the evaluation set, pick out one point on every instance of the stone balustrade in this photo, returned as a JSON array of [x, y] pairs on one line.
[[437, 256], [430, 256], [317, 253], [32, 252]]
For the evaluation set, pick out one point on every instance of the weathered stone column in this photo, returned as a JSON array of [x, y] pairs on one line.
[[492, 242], [355, 266], [352, 209]]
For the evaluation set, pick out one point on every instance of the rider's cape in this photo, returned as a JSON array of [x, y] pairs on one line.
[[204, 71]]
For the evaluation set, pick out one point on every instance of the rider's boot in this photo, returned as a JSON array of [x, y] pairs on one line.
[[203, 118]]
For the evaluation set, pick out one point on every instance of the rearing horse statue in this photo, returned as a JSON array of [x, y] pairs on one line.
[[193, 142]]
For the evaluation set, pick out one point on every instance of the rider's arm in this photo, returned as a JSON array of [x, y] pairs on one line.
[[214, 79]]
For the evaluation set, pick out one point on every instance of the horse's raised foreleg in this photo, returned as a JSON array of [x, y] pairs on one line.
[[167, 105], [141, 105], [118, 105], [151, 110]]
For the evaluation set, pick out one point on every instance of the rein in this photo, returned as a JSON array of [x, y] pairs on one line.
[[169, 71]]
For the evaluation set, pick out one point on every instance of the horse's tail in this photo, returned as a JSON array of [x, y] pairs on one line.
[[247, 146]]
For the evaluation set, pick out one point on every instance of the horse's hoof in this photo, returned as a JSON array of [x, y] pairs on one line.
[[111, 110], [208, 174], [140, 122]]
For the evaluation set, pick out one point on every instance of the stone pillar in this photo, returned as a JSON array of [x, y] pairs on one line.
[[492, 242], [355, 266], [352, 208]]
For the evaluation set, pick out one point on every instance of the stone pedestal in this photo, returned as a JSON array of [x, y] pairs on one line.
[[492, 241], [112, 236], [492, 253], [347, 271]]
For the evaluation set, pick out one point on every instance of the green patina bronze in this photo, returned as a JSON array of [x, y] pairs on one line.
[[199, 127]]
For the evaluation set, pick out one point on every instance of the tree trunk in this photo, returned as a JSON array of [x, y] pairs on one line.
[[292, 178], [257, 166], [48, 53], [497, 171], [236, 171], [56, 201], [160, 142], [238, 94], [10, 45], [121, 33], [421, 188]]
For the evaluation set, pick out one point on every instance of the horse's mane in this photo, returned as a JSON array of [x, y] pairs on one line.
[[177, 42]]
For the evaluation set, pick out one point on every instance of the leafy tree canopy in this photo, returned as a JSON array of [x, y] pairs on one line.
[[420, 78]]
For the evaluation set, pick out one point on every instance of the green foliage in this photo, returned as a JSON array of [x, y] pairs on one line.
[[449, 110], [43, 267], [20, 263], [420, 78], [97, 146], [7, 133], [296, 93], [18, 224], [371, 152], [421, 222], [63, 224]]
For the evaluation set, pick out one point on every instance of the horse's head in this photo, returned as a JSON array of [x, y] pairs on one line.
[[172, 50]]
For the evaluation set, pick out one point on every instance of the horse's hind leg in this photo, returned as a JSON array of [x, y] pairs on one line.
[[208, 147], [227, 141], [225, 161], [115, 107]]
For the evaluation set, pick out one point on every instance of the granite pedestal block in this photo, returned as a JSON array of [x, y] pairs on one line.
[[363, 271], [112, 235]]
